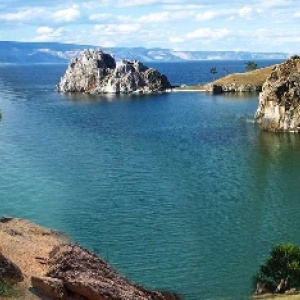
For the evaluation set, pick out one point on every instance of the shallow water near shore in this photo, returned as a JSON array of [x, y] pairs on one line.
[[179, 191]]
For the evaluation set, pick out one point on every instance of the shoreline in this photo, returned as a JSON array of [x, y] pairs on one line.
[[248, 82], [30, 253]]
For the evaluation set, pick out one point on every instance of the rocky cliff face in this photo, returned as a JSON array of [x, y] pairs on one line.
[[75, 273], [95, 72], [42, 264], [279, 101]]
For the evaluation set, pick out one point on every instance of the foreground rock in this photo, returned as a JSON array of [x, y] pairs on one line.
[[75, 272], [69, 272], [279, 102], [25, 247], [95, 72]]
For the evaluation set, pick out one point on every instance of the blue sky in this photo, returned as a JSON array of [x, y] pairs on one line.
[[260, 26]]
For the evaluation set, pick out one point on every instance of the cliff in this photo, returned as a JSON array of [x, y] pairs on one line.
[[96, 72], [279, 101], [44, 264]]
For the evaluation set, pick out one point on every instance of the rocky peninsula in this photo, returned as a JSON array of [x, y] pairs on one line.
[[96, 72], [279, 101], [41, 263], [251, 81]]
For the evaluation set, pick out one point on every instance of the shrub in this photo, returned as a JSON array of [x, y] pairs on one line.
[[250, 66], [283, 263]]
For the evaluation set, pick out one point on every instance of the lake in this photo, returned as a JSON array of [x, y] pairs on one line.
[[178, 191]]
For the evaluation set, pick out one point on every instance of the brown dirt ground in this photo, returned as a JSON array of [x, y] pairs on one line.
[[27, 245]]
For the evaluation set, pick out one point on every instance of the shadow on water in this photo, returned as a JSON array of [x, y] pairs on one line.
[[240, 95], [275, 193], [88, 98], [279, 144]]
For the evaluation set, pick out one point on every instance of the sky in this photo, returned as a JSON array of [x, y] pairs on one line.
[[203, 25]]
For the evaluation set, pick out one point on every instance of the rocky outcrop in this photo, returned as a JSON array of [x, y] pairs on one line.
[[241, 88], [232, 88], [51, 287], [279, 101], [96, 72], [75, 272]]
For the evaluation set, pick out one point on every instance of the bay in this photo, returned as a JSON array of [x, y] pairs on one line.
[[178, 191]]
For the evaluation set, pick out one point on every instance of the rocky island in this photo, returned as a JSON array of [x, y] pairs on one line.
[[96, 72], [279, 101]]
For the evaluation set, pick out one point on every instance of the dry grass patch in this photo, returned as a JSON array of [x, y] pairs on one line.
[[255, 77], [251, 78], [27, 245]]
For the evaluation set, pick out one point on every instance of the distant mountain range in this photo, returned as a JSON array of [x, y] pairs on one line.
[[19, 52]]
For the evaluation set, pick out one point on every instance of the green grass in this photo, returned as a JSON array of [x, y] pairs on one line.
[[7, 289]]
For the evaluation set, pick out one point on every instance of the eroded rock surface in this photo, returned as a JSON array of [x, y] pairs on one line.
[[279, 108], [84, 274], [95, 72], [232, 88]]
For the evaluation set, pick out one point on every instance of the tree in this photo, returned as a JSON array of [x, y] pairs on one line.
[[250, 66], [282, 265], [213, 71]]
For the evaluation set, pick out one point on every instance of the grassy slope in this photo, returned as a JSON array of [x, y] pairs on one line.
[[255, 78]]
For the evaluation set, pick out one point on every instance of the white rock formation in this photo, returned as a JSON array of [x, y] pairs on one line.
[[96, 72], [279, 101]]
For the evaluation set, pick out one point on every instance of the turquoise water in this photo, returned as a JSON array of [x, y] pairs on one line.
[[178, 191]]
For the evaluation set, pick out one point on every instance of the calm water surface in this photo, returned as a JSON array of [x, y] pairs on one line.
[[179, 191]]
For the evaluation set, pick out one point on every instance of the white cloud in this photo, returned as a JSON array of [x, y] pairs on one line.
[[113, 29], [156, 23], [100, 17], [44, 30], [137, 2], [211, 34], [46, 34], [176, 39], [246, 12], [95, 4], [183, 6], [22, 15], [297, 14], [67, 15], [213, 14], [276, 3], [165, 16]]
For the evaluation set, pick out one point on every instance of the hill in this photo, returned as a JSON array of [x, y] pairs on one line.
[[21, 52]]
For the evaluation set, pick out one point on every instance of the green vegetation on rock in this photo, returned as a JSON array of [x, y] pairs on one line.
[[7, 289]]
